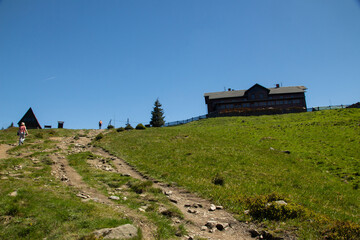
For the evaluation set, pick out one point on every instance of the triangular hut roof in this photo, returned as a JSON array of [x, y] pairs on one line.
[[30, 120]]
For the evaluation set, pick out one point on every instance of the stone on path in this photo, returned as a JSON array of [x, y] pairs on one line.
[[212, 207], [114, 198], [122, 232]]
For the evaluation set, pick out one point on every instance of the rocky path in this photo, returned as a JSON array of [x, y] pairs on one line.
[[202, 219]]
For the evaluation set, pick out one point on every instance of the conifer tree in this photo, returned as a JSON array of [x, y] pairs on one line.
[[157, 115]]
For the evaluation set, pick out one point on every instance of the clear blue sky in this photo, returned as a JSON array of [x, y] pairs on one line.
[[85, 60]]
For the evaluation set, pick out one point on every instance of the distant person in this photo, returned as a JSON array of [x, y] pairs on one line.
[[22, 133], [100, 124]]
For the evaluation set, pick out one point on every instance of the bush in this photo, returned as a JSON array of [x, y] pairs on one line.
[[343, 230], [99, 136], [129, 127], [110, 126], [218, 180], [273, 207], [140, 187], [120, 129], [140, 127]]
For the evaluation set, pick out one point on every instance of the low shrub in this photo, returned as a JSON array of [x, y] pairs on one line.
[[99, 136], [218, 180], [342, 230], [120, 129], [140, 127], [273, 207], [129, 127], [110, 126], [140, 187]]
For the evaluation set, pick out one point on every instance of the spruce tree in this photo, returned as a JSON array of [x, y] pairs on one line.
[[157, 115]]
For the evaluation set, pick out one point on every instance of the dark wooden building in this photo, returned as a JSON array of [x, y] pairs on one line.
[[256, 100], [30, 120]]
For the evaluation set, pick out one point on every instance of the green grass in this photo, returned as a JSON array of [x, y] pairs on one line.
[[8, 136], [320, 172]]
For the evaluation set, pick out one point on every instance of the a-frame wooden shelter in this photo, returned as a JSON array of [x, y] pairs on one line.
[[30, 120]]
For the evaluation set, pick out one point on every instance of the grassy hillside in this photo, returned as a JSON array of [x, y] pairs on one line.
[[36, 204], [310, 160]]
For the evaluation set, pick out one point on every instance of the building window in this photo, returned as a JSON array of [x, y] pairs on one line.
[[252, 96]]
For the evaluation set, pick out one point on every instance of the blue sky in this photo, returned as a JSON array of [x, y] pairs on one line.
[[85, 60]]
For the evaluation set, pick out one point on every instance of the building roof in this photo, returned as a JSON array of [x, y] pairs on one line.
[[30, 120], [241, 93]]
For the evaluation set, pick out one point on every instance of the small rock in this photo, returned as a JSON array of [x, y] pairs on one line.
[[127, 231], [212, 207], [211, 224], [82, 195], [254, 233], [219, 207], [168, 193], [114, 198], [221, 226], [126, 175], [246, 212], [281, 202], [124, 198], [64, 178], [173, 200], [13, 194], [204, 228], [191, 211]]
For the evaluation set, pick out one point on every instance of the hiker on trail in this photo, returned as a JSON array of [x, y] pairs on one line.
[[22, 133], [100, 123]]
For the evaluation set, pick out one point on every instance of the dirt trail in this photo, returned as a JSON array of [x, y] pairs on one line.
[[3, 150], [199, 220], [63, 171]]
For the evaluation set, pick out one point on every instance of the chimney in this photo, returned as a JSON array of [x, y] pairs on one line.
[[277, 85]]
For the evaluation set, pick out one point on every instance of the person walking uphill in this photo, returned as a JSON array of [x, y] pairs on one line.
[[22, 133], [100, 123]]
